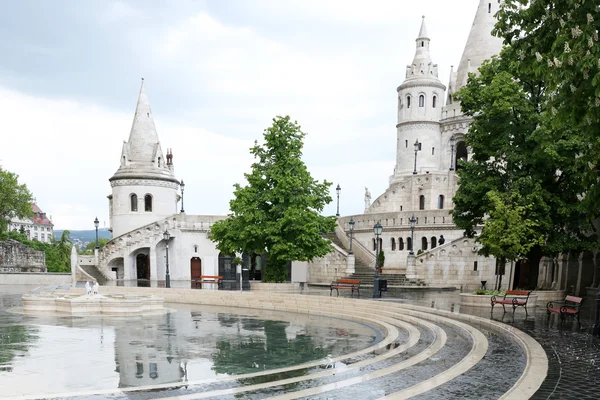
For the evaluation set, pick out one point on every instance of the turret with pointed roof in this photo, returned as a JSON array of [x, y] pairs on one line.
[[144, 188], [142, 155]]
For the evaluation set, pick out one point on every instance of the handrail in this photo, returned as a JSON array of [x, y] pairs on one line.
[[360, 251]]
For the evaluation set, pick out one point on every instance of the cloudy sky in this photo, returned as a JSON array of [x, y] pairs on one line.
[[216, 72]]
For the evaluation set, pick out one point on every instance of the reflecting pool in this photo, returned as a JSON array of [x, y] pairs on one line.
[[57, 354]]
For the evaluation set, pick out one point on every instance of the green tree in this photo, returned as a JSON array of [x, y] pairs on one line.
[[89, 248], [15, 199], [278, 211], [557, 42], [381, 258], [522, 163]]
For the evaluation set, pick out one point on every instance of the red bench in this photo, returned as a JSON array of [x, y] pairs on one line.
[[350, 284], [514, 298], [214, 279], [570, 307]]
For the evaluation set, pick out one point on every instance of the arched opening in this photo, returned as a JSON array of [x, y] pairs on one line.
[[148, 203], [142, 266], [421, 101], [461, 154], [226, 269], [441, 201], [374, 245], [434, 101], [433, 242], [421, 202], [134, 202], [423, 243], [407, 101], [195, 270], [393, 243], [409, 244], [489, 8], [380, 244], [400, 244], [117, 266]]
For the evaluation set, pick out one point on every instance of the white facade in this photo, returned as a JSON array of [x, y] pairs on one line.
[[40, 227]]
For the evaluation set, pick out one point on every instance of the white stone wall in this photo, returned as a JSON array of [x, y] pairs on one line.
[[329, 268], [164, 203]]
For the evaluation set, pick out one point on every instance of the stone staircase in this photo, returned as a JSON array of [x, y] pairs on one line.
[[95, 273], [366, 273]]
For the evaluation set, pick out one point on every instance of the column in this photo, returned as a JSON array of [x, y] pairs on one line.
[[580, 268], [154, 264]]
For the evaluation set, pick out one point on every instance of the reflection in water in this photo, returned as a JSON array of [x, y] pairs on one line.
[[15, 340]]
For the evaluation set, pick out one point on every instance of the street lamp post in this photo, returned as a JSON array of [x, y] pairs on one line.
[[182, 186], [96, 224], [412, 221], [377, 229], [167, 236], [351, 223], [338, 189], [452, 142], [416, 149]]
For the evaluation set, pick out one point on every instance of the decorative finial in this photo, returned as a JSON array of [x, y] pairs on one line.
[[423, 17], [142, 78]]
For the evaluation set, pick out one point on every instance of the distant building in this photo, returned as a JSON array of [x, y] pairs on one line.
[[40, 227]]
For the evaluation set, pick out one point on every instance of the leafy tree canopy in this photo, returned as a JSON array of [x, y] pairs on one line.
[[15, 199], [90, 246], [278, 211], [58, 253], [522, 166]]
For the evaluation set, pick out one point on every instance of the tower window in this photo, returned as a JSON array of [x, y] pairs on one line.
[[407, 101], [393, 243], [422, 44], [421, 101], [148, 203], [423, 243], [406, 143], [134, 201], [159, 162], [441, 201], [421, 202], [420, 146], [489, 8], [433, 151], [433, 103]]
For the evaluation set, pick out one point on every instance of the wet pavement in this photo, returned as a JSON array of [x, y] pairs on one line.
[[128, 352]]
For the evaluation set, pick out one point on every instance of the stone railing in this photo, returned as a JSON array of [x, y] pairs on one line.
[[360, 251], [399, 220]]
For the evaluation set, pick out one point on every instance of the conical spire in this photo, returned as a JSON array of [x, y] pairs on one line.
[[143, 138], [423, 31], [481, 45], [422, 66]]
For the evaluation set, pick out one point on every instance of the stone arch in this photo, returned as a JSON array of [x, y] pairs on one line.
[[393, 244], [400, 244], [117, 266], [424, 243], [140, 264], [421, 202], [462, 153], [441, 201], [148, 202], [409, 244], [133, 200], [421, 100], [408, 101], [433, 242]]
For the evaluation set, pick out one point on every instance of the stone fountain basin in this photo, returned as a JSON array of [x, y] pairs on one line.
[[72, 304]]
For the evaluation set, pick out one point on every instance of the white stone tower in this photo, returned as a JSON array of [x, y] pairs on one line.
[[420, 101], [144, 188]]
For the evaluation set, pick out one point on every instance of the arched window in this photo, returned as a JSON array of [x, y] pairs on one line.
[[441, 201], [195, 249], [134, 202], [148, 203], [433, 242], [434, 101], [407, 101], [380, 244], [421, 101], [374, 245], [409, 244], [400, 244], [423, 243], [393, 244], [489, 8], [461, 154], [422, 44], [159, 159], [421, 202]]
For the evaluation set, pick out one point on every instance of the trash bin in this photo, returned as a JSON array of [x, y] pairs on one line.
[[382, 286]]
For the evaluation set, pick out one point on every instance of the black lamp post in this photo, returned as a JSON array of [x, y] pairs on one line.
[[338, 189], [412, 221], [377, 229], [96, 224], [416, 149], [351, 223], [167, 236], [182, 186], [452, 142]]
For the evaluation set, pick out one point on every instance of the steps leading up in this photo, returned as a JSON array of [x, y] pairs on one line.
[[95, 272]]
